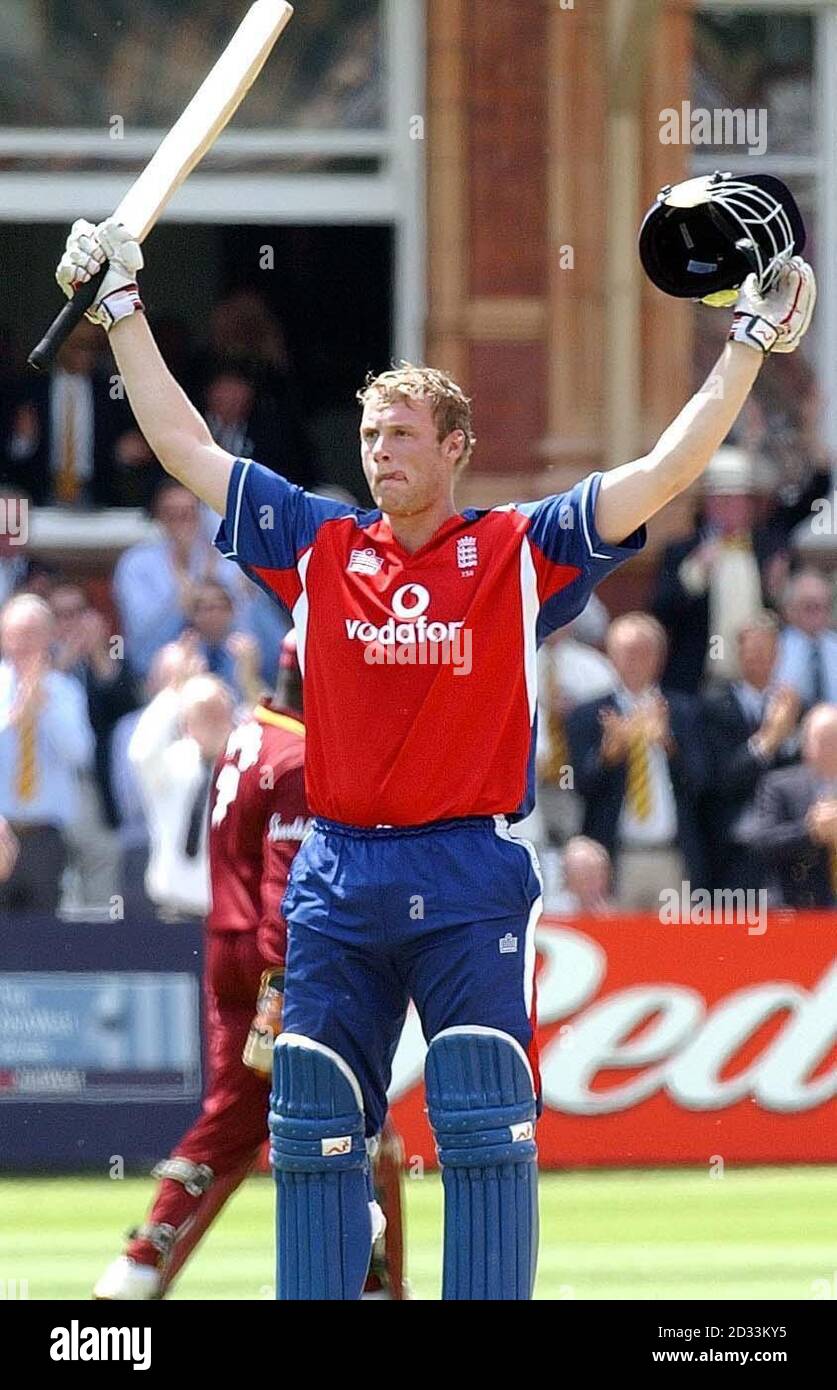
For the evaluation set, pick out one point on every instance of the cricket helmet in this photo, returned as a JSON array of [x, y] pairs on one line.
[[702, 238]]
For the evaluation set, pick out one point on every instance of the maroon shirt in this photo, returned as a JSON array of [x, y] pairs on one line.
[[258, 818]]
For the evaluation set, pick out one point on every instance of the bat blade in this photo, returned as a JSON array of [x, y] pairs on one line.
[[210, 110], [208, 113]]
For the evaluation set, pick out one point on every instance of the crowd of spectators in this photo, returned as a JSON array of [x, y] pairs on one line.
[[69, 439], [77, 671], [693, 742]]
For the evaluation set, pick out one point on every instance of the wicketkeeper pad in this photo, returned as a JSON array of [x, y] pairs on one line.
[[481, 1100], [321, 1167]]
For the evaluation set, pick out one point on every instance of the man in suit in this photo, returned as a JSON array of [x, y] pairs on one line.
[[748, 726], [257, 420], [808, 645], [710, 584], [83, 648], [637, 758], [797, 817], [46, 743], [63, 433]]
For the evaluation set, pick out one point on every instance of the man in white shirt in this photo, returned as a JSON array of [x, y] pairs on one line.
[[155, 582], [808, 645], [173, 750], [570, 672], [45, 743]]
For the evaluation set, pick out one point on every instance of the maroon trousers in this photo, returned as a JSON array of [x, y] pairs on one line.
[[232, 1126]]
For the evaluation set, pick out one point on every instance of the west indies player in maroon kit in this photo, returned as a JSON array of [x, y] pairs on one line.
[[258, 816]]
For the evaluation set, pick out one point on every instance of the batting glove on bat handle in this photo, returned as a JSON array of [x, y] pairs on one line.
[[98, 274]]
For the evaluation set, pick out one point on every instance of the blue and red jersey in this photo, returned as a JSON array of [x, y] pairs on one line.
[[420, 668]]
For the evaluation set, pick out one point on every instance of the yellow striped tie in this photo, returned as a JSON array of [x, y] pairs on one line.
[[638, 791], [27, 769], [66, 482], [557, 756]]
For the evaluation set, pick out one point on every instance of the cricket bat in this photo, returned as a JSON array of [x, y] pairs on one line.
[[210, 110]]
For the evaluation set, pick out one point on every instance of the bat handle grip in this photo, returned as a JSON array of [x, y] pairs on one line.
[[43, 356]]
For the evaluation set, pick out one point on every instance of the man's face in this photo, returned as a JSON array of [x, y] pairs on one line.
[[586, 874], [230, 398], [408, 470], [810, 608], [68, 604], [730, 512], [636, 656], [756, 656], [80, 352], [209, 722], [25, 639], [178, 515], [212, 615]]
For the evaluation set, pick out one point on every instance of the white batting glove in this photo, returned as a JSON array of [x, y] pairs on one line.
[[87, 249], [778, 320]]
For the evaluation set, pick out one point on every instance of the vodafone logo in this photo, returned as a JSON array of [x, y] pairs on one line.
[[409, 626], [410, 601]]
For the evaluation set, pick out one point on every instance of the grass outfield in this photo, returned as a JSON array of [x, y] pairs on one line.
[[756, 1233]]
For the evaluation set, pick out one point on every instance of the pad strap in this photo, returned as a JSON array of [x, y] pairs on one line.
[[196, 1177]]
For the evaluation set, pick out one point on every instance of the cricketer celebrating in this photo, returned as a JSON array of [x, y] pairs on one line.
[[409, 884]]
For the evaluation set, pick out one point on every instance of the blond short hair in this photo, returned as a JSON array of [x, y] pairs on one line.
[[449, 406]]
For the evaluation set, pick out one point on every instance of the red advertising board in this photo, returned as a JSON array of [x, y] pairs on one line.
[[664, 1043]]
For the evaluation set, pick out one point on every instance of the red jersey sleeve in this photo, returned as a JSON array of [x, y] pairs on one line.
[[283, 834]]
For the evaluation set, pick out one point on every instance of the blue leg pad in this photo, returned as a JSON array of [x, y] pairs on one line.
[[318, 1152], [482, 1107]]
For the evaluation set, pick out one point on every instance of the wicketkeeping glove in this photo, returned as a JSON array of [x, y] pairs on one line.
[[87, 249], [778, 320]]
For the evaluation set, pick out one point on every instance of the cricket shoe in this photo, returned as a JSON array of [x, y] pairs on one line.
[[125, 1281]]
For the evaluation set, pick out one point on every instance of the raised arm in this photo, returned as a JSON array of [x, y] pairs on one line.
[[174, 430], [632, 493], [176, 433]]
